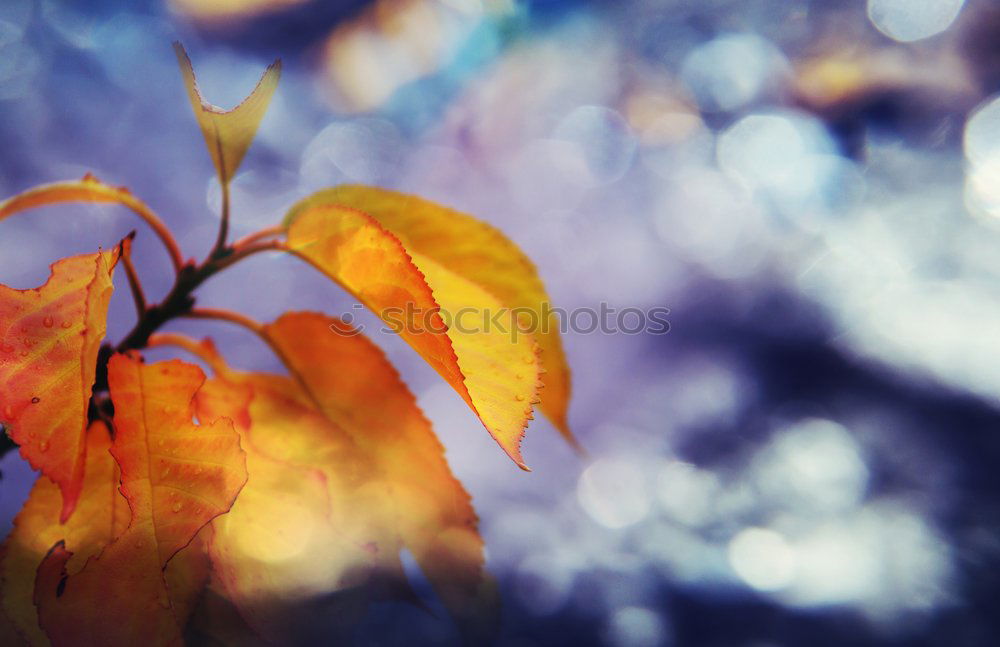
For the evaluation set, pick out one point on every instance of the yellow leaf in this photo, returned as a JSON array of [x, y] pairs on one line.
[[491, 364], [410, 485], [477, 252], [177, 477], [348, 417], [49, 340], [229, 133], [280, 545]]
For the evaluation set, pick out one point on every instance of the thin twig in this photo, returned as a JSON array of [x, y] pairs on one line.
[[221, 314], [267, 232], [239, 253], [138, 296]]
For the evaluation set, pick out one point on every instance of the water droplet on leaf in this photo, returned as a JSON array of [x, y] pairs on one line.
[[48, 322]]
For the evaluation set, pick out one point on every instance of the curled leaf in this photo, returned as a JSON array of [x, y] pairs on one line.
[[49, 340], [484, 356], [228, 133], [478, 253]]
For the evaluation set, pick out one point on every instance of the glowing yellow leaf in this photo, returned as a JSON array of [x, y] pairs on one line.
[[229, 133], [477, 252], [483, 355], [279, 545], [410, 486], [176, 476], [49, 340]]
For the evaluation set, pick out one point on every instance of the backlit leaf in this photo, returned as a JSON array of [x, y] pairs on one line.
[[49, 340], [410, 485], [477, 252], [487, 360], [280, 545], [177, 476], [348, 417], [229, 133]]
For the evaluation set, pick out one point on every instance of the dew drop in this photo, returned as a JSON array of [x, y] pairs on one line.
[[519, 397], [35, 400], [43, 446], [176, 507], [48, 322], [24, 353], [529, 360], [519, 376], [66, 324]]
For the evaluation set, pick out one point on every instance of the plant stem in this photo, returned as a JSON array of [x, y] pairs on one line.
[[220, 242], [138, 296], [267, 232]]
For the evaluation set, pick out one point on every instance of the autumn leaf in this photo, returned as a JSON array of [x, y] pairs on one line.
[[347, 416], [478, 253], [493, 367], [49, 341], [102, 514], [280, 545], [228, 133], [176, 476], [411, 485]]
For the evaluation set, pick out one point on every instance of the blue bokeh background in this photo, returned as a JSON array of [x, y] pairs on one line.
[[808, 457]]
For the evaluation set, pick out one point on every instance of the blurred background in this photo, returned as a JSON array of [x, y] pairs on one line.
[[808, 457]]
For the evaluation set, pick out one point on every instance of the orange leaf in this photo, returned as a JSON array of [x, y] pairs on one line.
[[177, 477], [477, 252], [493, 367], [349, 417], [229, 134], [49, 340], [410, 485], [279, 545], [102, 515]]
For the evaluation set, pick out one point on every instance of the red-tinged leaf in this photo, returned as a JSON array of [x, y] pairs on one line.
[[177, 477], [477, 252], [228, 134], [410, 486], [49, 340], [280, 546], [102, 514], [493, 367]]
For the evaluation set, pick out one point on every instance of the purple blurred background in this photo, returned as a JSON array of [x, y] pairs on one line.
[[808, 457]]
